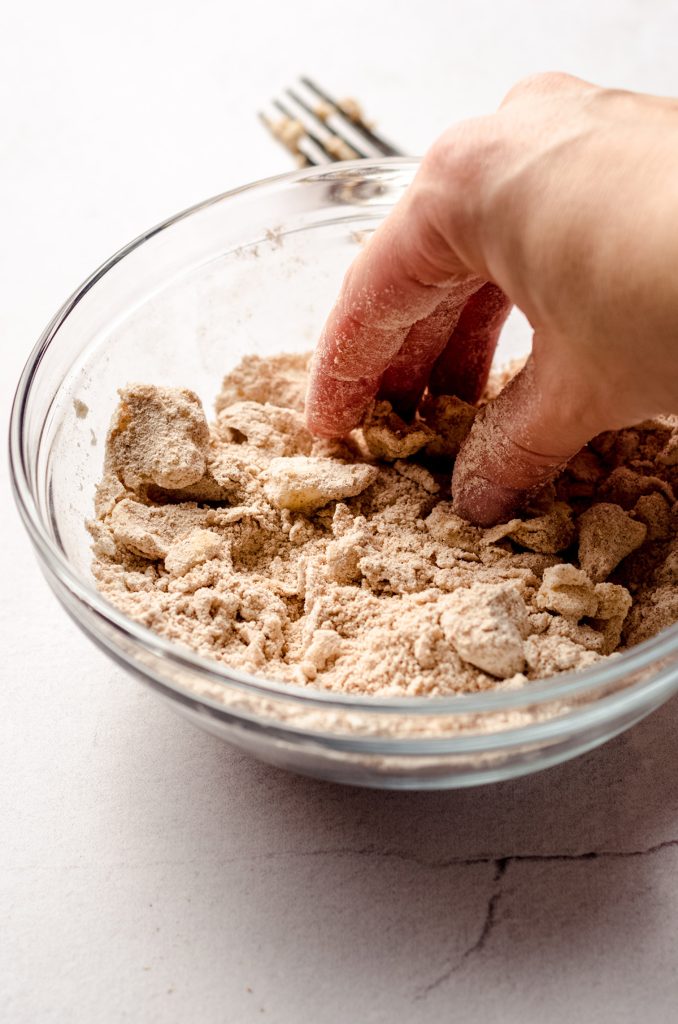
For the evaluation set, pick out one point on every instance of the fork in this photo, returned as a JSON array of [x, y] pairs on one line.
[[318, 129]]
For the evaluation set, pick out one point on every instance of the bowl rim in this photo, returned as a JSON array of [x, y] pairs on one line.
[[562, 687]]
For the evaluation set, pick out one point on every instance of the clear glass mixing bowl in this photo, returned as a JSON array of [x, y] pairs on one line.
[[256, 270]]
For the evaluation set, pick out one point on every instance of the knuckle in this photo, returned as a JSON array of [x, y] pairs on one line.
[[462, 155], [467, 159], [541, 83]]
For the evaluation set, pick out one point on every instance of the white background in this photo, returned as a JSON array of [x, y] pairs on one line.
[[147, 872]]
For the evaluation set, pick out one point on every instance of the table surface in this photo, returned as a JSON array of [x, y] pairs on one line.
[[147, 871]]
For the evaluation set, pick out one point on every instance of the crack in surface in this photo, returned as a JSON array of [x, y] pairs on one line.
[[501, 865], [517, 858], [368, 851], [488, 924]]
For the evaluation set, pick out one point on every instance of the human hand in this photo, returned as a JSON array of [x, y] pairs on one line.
[[565, 203]]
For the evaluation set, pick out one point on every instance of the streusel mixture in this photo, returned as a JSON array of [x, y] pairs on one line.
[[342, 565]]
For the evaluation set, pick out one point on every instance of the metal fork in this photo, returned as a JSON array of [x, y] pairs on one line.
[[318, 129]]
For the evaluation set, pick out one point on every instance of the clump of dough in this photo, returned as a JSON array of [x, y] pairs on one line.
[[343, 555], [548, 654], [614, 603], [624, 486], [487, 624], [448, 528], [655, 511], [151, 531], [389, 437], [581, 633], [607, 534], [494, 534], [546, 534], [567, 591], [157, 436], [325, 647], [450, 419]]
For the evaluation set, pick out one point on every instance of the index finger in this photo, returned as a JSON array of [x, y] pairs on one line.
[[400, 277]]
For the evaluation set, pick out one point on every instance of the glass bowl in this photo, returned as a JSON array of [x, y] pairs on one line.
[[256, 271]]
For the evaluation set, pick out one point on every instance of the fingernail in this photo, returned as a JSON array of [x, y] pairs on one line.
[[483, 502]]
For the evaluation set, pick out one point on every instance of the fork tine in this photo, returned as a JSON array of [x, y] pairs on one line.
[[318, 129], [332, 145], [339, 127], [382, 146], [291, 134]]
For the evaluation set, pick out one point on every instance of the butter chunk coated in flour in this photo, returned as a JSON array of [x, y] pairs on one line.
[[342, 564], [304, 483]]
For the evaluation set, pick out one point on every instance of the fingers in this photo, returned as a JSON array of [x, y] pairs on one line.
[[519, 441], [405, 379], [458, 220], [400, 277], [464, 364]]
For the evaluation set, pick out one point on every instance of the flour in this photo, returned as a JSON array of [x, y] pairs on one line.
[[342, 565]]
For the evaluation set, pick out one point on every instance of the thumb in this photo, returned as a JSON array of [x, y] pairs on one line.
[[520, 440]]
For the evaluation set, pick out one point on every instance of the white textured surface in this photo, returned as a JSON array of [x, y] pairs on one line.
[[148, 873]]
